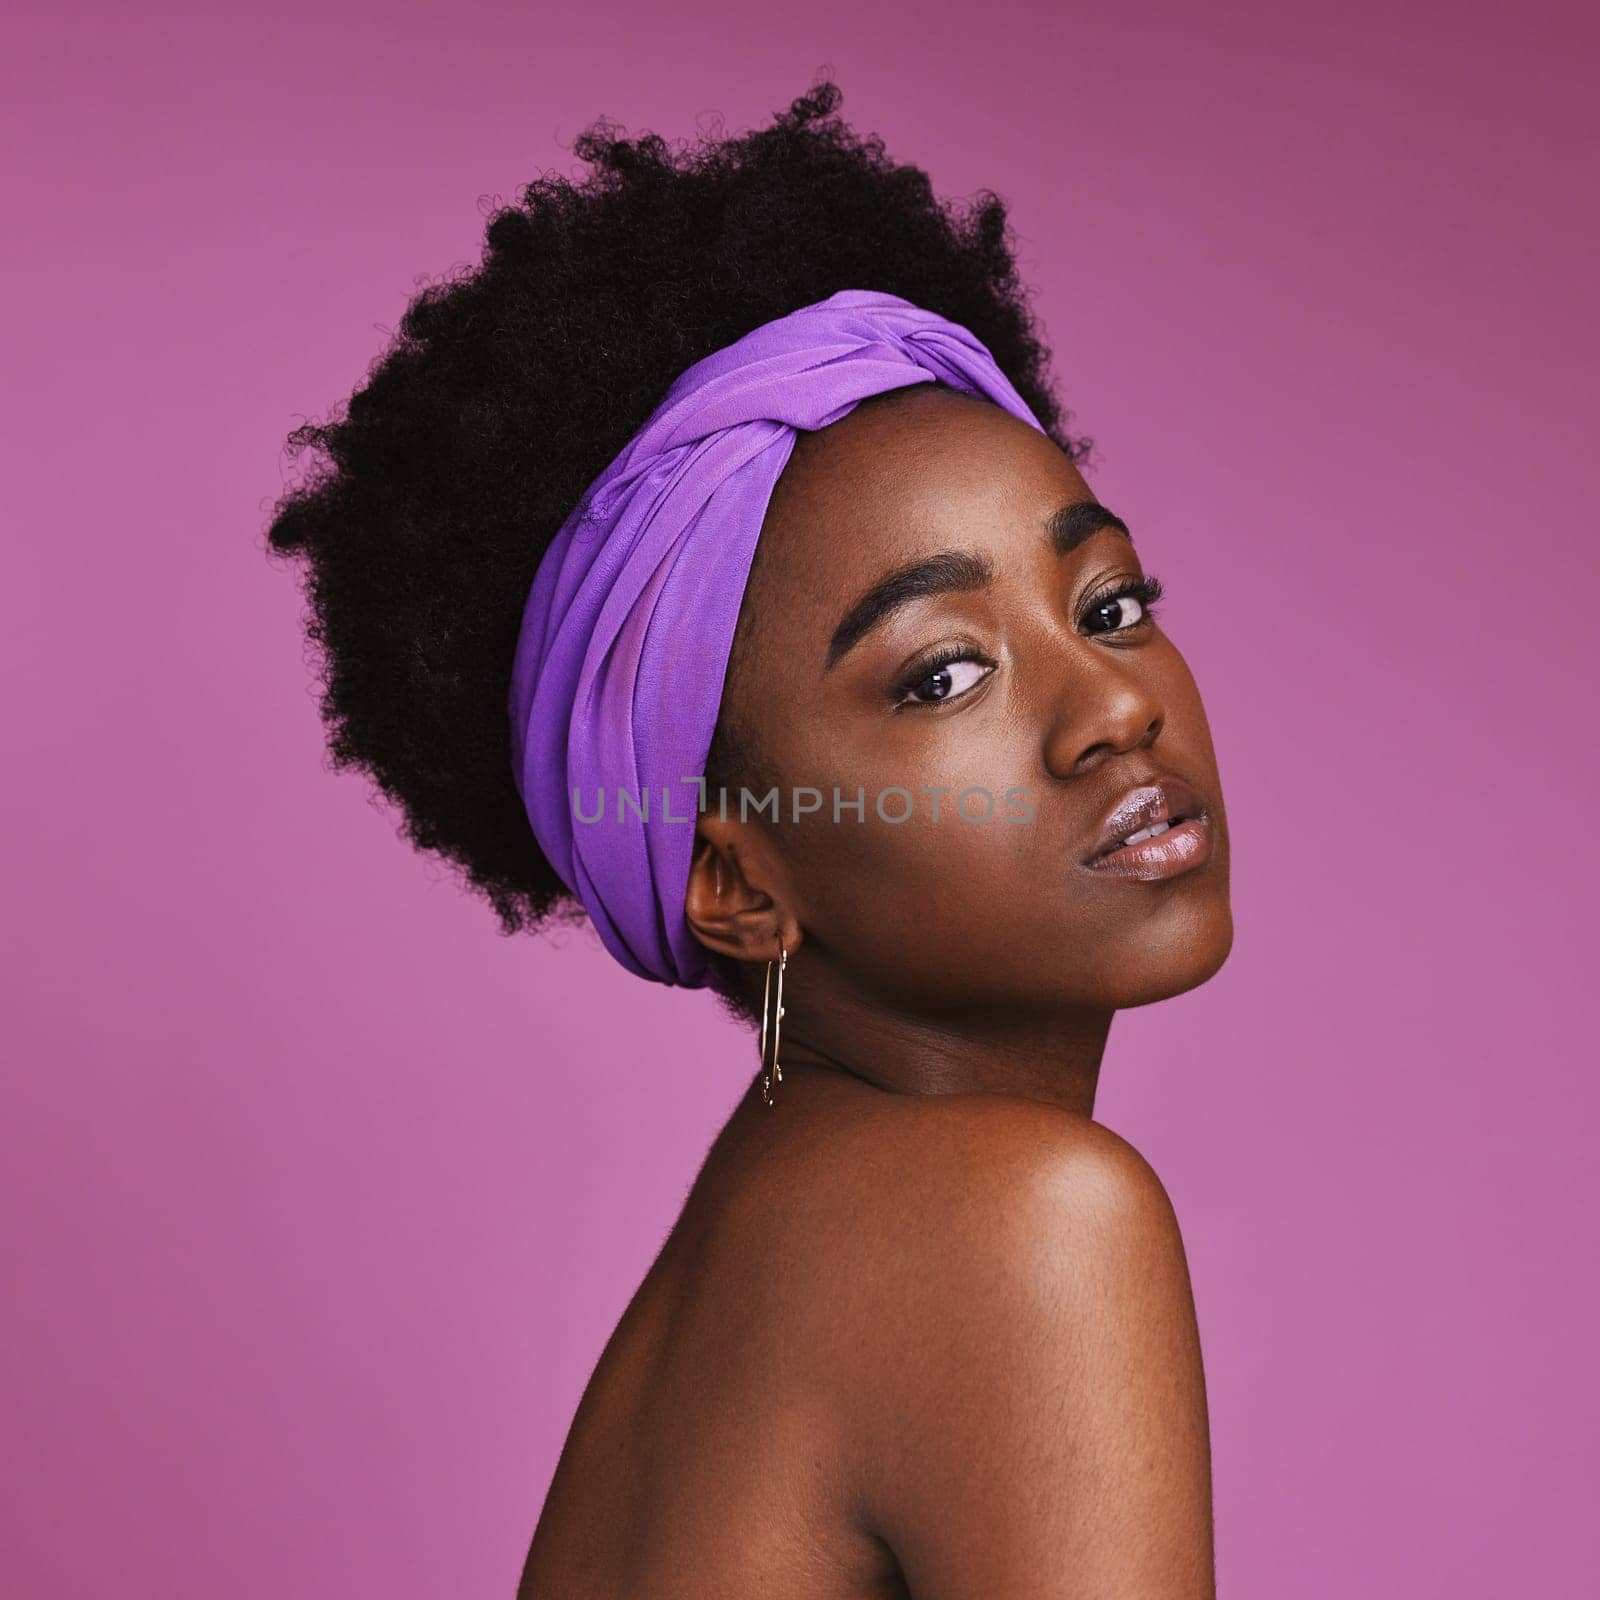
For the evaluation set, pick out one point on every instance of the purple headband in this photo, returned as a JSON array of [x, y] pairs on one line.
[[624, 646]]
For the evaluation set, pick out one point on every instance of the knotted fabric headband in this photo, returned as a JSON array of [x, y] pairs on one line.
[[619, 668]]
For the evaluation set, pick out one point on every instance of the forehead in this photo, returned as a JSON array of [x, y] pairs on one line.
[[904, 475]]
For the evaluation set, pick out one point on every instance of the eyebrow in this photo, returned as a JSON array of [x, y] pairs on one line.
[[959, 572]]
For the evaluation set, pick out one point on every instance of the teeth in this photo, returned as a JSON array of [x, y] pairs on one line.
[[1145, 833]]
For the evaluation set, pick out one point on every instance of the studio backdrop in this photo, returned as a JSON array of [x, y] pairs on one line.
[[319, 1197]]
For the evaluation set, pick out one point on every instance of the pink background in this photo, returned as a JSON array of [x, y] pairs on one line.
[[318, 1198]]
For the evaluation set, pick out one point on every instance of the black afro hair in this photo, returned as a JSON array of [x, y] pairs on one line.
[[433, 492]]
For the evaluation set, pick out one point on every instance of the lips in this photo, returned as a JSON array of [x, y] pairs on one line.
[[1147, 814]]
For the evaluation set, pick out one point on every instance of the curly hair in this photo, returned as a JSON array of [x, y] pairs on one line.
[[434, 491]]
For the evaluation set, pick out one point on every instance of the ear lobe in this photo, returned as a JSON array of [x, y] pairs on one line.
[[727, 911]]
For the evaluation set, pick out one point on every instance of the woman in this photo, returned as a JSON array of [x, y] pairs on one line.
[[713, 562]]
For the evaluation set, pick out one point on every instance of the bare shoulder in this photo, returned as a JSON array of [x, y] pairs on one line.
[[959, 1185], [922, 1224], [1003, 1136], [1020, 1343], [987, 1180]]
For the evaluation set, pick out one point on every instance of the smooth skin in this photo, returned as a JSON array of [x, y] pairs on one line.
[[924, 1328]]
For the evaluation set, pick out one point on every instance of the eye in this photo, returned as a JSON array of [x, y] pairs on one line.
[[944, 677], [1125, 605]]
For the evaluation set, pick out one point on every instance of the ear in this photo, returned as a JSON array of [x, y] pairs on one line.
[[735, 903]]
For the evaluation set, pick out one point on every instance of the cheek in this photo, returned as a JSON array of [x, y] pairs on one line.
[[1188, 733], [938, 915], [968, 791], [876, 882], [1183, 693]]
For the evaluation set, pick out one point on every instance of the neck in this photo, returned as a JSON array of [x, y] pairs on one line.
[[1054, 1057]]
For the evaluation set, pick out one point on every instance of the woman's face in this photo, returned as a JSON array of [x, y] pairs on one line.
[[994, 665]]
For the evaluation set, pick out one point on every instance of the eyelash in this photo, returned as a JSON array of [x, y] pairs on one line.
[[1147, 590]]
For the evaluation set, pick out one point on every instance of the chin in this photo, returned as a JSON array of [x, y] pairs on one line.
[[1183, 963]]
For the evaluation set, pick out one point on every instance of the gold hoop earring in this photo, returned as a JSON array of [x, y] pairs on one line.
[[772, 1008]]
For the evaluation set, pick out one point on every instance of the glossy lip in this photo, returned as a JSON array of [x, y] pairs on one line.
[[1179, 849]]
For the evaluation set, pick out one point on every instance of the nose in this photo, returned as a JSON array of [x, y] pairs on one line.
[[1106, 703]]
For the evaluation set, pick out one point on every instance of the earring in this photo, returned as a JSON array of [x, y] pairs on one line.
[[772, 1007]]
